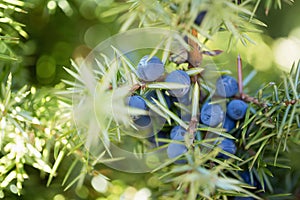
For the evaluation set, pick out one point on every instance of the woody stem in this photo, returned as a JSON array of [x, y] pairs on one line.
[[240, 76]]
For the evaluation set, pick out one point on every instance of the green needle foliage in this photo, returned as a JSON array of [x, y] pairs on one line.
[[270, 127], [180, 16], [69, 133], [11, 29], [23, 136]]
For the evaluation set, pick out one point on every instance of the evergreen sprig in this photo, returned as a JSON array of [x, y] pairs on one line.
[[23, 137], [11, 28], [270, 127], [37, 126], [232, 16]]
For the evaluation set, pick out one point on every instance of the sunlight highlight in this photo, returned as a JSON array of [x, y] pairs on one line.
[[287, 50]]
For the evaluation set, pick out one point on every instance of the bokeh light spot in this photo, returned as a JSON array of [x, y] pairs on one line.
[[87, 9], [45, 67], [51, 5], [13, 188], [100, 184], [287, 52], [143, 194], [82, 192], [59, 197]]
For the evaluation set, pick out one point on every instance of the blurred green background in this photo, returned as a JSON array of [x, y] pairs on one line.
[[60, 30]]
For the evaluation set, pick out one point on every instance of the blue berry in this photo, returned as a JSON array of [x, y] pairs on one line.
[[175, 149], [228, 124], [246, 176], [200, 17], [185, 116], [177, 131], [186, 39], [181, 77], [227, 145], [185, 99], [160, 134], [236, 109], [152, 95], [211, 114], [136, 101], [143, 121], [227, 86], [150, 70]]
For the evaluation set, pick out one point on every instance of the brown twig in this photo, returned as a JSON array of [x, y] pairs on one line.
[[192, 128], [195, 55], [242, 95], [240, 75], [291, 102], [195, 59], [137, 86], [249, 99]]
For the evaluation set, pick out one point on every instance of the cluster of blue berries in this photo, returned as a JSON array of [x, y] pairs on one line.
[[212, 114], [173, 138], [152, 69]]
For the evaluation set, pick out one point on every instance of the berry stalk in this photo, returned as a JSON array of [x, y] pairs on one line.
[[240, 76], [195, 55]]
